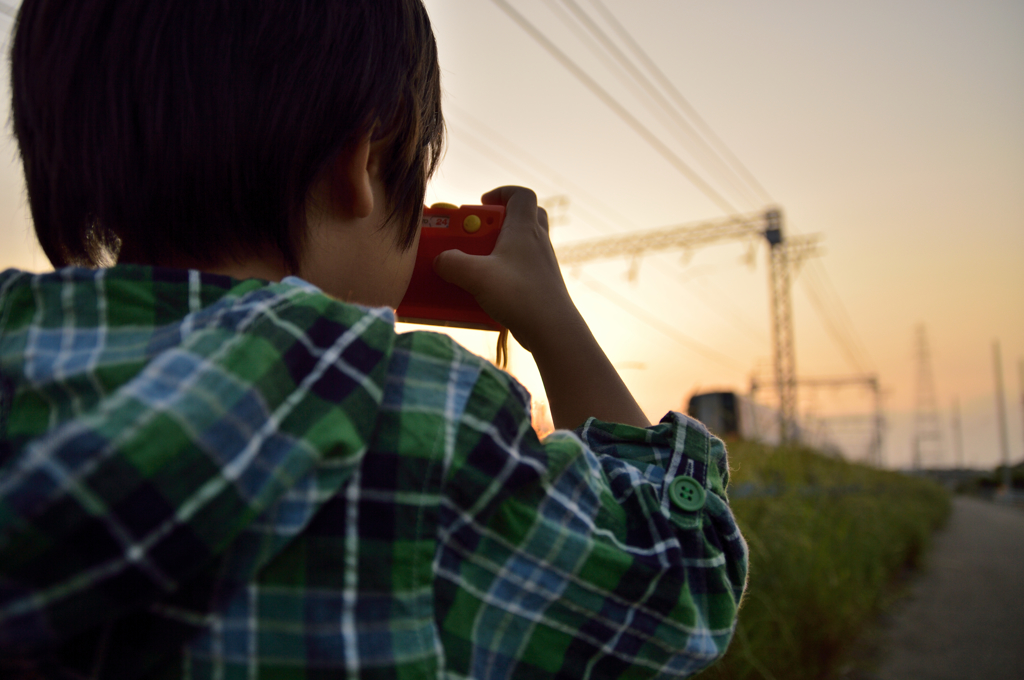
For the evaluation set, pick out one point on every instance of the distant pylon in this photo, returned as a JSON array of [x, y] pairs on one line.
[[927, 433], [1004, 439], [1022, 391], [958, 435]]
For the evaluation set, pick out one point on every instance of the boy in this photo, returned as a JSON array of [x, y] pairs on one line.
[[219, 459]]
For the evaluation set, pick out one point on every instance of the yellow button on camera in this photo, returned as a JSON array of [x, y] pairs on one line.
[[471, 224], [444, 206], [687, 493]]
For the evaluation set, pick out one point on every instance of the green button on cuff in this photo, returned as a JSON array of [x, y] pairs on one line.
[[687, 493]]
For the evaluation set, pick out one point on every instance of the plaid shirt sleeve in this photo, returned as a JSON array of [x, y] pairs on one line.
[[568, 558]]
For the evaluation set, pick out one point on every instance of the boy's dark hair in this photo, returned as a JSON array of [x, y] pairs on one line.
[[194, 129]]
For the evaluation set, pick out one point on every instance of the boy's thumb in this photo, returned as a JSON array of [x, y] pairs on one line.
[[464, 270]]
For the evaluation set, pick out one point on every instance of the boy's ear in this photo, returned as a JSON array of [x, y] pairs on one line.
[[351, 180]]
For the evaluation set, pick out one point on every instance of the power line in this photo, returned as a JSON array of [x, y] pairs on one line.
[[834, 315], [725, 308], [510, 154], [841, 333], [833, 329], [656, 323], [617, 108], [509, 150], [832, 312], [603, 46], [682, 102]]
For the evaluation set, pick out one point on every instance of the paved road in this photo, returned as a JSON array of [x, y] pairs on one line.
[[965, 616]]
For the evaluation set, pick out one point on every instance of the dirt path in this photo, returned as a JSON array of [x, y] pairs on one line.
[[965, 615]]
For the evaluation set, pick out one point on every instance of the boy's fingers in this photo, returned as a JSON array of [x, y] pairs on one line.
[[500, 195], [519, 202], [464, 270], [542, 218]]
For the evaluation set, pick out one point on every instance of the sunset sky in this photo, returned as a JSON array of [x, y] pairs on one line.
[[894, 129]]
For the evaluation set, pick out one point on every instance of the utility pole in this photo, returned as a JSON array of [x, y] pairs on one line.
[[1004, 441], [1021, 365], [879, 425], [927, 433], [958, 437]]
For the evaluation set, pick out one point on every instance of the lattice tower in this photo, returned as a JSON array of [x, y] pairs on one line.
[[927, 442]]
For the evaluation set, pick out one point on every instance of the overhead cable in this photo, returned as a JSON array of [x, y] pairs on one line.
[[612, 103], [659, 325], [834, 316], [681, 101], [609, 218], [510, 154], [628, 72]]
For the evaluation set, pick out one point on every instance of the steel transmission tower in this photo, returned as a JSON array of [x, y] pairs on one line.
[[785, 255], [958, 436], [927, 432], [784, 350]]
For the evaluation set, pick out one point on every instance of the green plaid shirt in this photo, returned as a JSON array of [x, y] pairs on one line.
[[207, 478]]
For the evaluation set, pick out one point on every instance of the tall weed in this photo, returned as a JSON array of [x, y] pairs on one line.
[[827, 538]]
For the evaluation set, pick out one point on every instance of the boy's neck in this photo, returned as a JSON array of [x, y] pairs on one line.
[[253, 267], [250, 269]]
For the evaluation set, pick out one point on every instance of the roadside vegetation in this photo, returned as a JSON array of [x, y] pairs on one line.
[[827, 540], [988, 484]]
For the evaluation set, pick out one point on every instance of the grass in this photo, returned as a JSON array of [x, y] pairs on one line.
[[827, 539]]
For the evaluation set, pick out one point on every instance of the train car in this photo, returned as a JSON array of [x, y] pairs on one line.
[[730, 416]]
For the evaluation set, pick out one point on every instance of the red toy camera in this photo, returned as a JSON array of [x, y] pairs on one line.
[[472, 229]]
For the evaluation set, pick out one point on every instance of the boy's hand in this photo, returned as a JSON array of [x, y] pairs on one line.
[[520, 285]]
